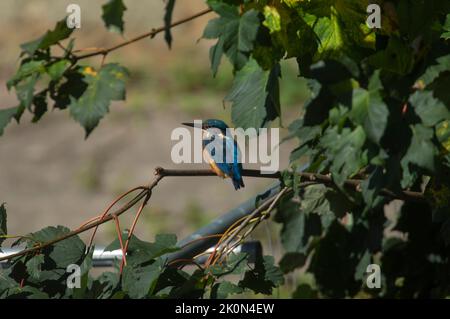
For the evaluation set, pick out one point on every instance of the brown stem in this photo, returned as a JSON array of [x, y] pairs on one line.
[[150, 34], [107, 218], [355, 184]]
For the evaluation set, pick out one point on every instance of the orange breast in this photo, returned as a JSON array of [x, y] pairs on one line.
[[213, 165]]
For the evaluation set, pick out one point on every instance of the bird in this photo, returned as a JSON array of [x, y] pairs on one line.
[[226, 168]]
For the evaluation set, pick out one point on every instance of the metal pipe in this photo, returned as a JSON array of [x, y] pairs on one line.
[[192, 246]]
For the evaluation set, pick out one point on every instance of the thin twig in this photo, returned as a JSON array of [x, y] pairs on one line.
[[150, 34], [354, 184], [107, 218], [133, 226], [270, 204], [102, 216]]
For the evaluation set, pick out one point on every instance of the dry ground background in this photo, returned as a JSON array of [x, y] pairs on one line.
[[50, 175]]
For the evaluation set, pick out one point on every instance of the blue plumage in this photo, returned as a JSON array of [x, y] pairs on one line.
[[230, 165]]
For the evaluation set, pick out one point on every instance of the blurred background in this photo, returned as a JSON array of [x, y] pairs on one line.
[[51, 175]]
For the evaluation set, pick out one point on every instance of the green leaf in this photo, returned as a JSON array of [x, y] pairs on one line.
[[235, 264], [63, 253], [263, 277], [103, 87], [5, 117], [255, 96], [113, 15], [446, 27], [293, 229], [430, 110], [345, 150], [236, 34], [25, 90], [57, 69], [443, 134], [34, 266], [272, 19], [421, 152], [331, 40], [140, 281], [369, 109], [371, 186], [304, 291], [40, 106], [224, 289], [106, 285], [73, 87], [292, 261], [3, 226], [168, 21], [51, 37], [26, 70], [140, 251], [434, 71], [396, 58]]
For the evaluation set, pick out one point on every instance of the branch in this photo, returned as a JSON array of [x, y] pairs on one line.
[[206, 172], [107, 218], [160, 173], [354, 184], [150, 34]]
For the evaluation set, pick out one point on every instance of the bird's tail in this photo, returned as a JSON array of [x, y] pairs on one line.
[[238, 182]]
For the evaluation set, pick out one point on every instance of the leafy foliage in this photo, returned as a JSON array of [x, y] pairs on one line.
[[147, 274], [113, 15]]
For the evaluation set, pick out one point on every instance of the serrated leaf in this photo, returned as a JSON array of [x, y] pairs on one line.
[[140, 251], [51, 37], [272, 19], [140, 281], [331, 40], [73, 87], [57, 69], [63, 253], [168, 21], [5, 117], [291, 261], [396, 58], [369, 109], [25, 90], [236, 34], [434, 71], [264, 277], [39, 106], [34, 266], [421, 152], [371, 186], [254, 96], [430, 110], [345, 150], [113, 15], [235, 264], [224, 289], [103, 86], [443, 134], [26, 70]]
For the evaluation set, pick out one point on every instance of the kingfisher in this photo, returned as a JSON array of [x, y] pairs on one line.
[[216, 130]]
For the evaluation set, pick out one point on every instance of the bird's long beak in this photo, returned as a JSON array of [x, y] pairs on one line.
[[189, 124]]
